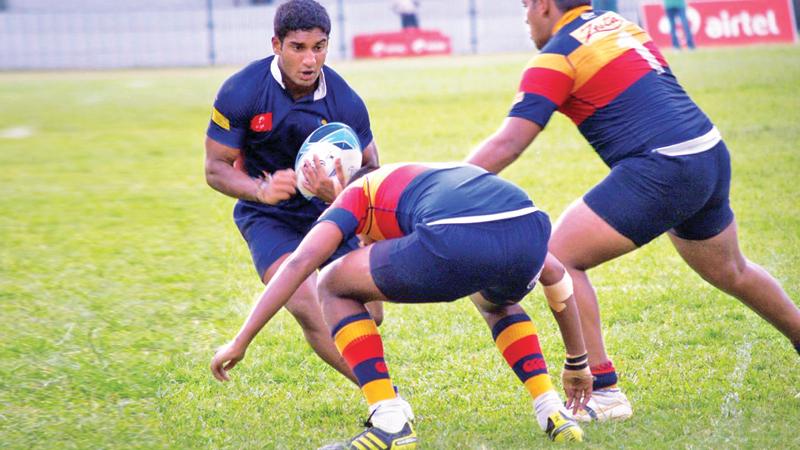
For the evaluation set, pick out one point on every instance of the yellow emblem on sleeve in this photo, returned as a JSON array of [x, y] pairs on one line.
[[220, 120]]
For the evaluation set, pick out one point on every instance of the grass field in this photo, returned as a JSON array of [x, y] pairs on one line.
[[121, 272]]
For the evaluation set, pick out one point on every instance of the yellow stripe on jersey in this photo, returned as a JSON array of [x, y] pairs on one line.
[[553, 61], [357, 329], [220, 119], [589, 59], [592, 57], [372, 182], [514, 332]]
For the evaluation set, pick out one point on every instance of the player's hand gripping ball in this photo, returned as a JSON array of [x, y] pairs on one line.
[[329, 142]]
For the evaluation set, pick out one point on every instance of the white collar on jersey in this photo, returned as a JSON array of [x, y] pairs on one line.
[[322, 87]]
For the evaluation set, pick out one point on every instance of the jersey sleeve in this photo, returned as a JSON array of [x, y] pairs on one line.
[[230, 113], [546, 84], [357, 117], [349, 211]]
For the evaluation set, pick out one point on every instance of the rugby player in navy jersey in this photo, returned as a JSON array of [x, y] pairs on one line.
[[431, 233], [670, 169], [261, 116]]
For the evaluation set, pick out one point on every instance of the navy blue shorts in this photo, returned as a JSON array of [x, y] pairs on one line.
[[647, 195], [271, 232], [442, 263]]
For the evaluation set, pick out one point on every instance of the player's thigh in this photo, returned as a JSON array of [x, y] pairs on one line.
[[582, 239], [716, 259], [269, 240], [350, 277]]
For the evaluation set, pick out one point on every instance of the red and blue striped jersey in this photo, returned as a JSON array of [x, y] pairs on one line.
[[391, 201], [605, 74]]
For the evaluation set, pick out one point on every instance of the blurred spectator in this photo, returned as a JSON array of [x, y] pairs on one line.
[[797, 13], [676, 9], [408, 12], [605, 5], [260, 2]]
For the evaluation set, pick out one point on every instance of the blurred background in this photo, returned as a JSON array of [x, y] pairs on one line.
[[79, 34]]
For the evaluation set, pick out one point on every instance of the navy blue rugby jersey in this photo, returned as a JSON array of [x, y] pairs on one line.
[[254, 113]]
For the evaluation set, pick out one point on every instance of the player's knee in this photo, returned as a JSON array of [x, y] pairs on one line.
[[726, 276], [561, 252], [305, 315], [552, 270], [327, 287], [375, 310], [305, 308]]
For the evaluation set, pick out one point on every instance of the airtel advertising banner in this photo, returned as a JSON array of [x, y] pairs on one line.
[[727, 22], [411, 42]]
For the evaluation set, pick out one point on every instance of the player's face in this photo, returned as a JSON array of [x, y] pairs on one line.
[[539, 26], [301, 56]]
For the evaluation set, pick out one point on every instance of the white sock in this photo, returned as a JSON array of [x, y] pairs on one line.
[[545, 405], [389, 415]]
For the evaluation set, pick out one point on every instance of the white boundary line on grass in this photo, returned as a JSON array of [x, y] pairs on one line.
[[730, 403], [18, 132]]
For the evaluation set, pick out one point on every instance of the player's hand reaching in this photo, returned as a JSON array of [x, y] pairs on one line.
[[226, 358], [577, 387], [319, 184], [274, 188]]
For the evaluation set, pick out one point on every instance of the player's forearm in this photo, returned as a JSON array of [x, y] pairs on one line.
[[230, 181], [494, 154], [370, 156], [570, 326]]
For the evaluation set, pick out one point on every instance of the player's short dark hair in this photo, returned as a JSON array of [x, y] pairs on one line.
[[566, 5], [302, 15]]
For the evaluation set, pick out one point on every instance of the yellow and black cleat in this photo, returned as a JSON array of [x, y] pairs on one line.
[[562, 428], [376, 439]]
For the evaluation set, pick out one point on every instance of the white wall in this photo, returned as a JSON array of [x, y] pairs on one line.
[[50, 34]]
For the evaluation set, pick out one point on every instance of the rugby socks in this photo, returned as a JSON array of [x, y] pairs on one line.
[[605, 376], [360, 344], [515, 337]]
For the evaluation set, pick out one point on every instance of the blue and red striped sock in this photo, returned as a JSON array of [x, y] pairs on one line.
[[360, 344], [515, 337], [605, 376]]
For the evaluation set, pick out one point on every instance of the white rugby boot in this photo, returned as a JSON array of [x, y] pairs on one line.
[[606, 404]]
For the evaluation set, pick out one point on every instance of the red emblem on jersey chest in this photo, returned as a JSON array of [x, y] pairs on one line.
[[261, 122]]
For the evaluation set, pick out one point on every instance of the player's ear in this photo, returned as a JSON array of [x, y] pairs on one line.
[[545, 7], [276, 45]]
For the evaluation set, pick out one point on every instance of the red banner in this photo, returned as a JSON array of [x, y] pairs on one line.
[[410, 42], [727, 22]]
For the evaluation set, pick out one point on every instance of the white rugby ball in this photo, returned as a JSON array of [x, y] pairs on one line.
[[329, 142]]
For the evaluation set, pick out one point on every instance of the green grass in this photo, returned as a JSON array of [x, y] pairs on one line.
[[121, 271]]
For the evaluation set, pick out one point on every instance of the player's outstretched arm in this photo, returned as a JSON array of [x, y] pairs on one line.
[[576, 377], [505, 145], [318, 245]]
